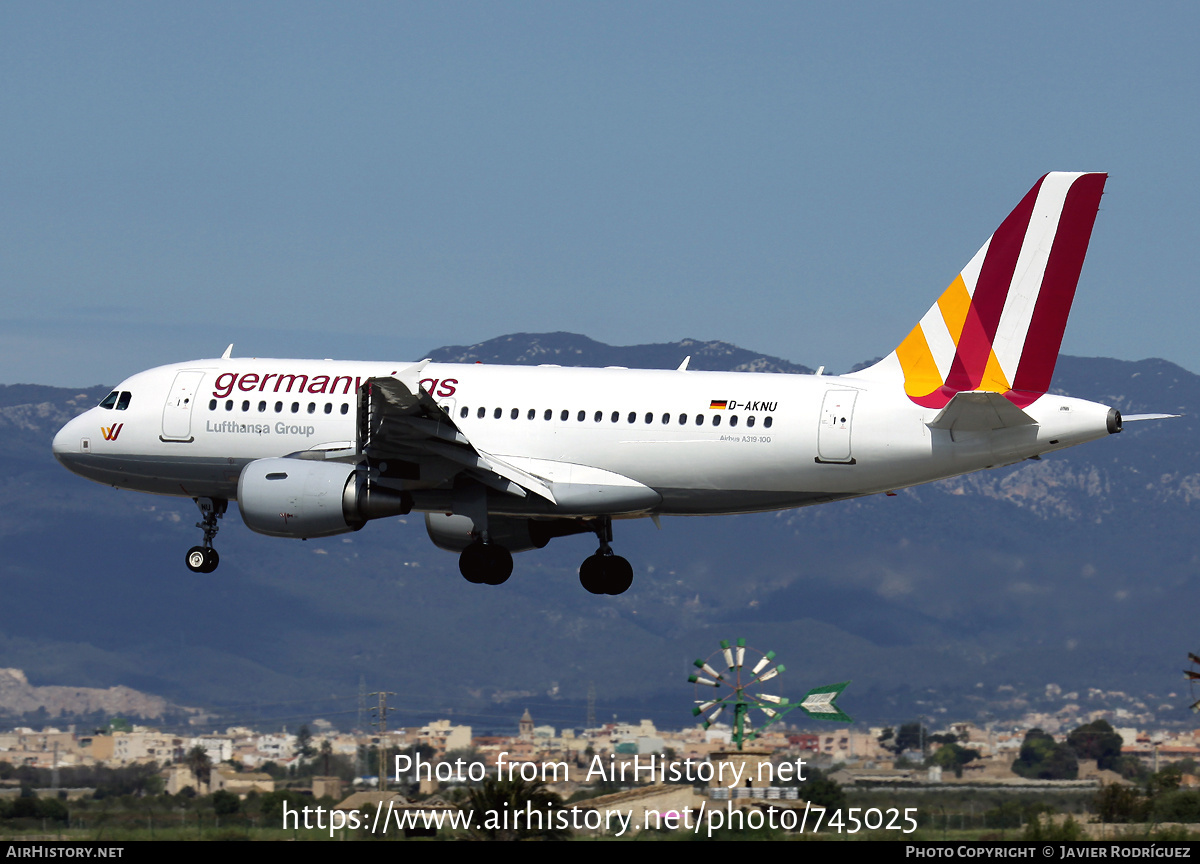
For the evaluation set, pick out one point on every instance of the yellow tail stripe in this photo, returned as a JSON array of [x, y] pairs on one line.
[[955, 302], [921, 376], [993, 376]]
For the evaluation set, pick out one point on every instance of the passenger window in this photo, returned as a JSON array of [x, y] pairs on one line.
[[328, 407], [345, 407], [295, 407], [262, 406], [750, 420], [766, 422], [480, 413], [123, 402], [245, 405], [632, 416], [666, 419], [228, 404], [496, 414], [733, 420], [616, 416], [515, 413], [212, 404], [649, 418], [531, 415], [278, 407], [564, 415], [599, 416], [682, 419], [716, 419], [110, 400], [580, 416], [548, 414], [312, 407], [699, 419]]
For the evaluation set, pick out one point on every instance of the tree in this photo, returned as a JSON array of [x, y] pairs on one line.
[[1043, 758], [912, 736], [952, 757], [1120, 803], [326, 755], [1176, 806], [225, 803], [1097, 740], [496, 802], [197, 759], [273, 803], [820, 791], [304, 743]]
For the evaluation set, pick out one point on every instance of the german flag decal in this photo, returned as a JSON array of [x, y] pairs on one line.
[[719, 403]]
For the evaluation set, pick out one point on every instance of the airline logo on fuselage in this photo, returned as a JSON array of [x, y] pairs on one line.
[[334, 385], [110, 433]]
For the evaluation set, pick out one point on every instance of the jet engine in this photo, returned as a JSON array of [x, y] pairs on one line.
[[455, 532], [295, 497]]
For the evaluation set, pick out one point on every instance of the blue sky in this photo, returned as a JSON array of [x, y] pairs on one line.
[[372, 180]]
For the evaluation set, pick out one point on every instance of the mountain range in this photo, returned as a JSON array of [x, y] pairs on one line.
[[1066, 584]]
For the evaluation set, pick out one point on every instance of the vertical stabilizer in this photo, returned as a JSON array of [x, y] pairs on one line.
[[999, 325]]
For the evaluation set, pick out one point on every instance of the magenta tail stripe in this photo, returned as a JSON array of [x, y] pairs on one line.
[[966, 371], [991, 291], [1049, 321]]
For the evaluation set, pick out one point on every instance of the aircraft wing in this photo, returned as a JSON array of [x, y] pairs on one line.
[[399, 422]]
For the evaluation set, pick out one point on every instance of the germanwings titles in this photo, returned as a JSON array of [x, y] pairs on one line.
[[503, 459]]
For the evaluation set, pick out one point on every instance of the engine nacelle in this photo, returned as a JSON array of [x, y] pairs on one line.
[[291, 497], [455, 532]]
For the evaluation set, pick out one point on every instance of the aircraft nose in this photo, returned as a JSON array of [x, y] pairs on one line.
[[66, 441]]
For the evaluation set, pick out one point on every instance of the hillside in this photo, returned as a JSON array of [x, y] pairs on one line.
[[967, 597]]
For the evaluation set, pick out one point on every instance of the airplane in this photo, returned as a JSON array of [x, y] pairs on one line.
[[503, 459]]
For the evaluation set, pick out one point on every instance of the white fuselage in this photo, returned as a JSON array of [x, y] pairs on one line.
[[705, 442]]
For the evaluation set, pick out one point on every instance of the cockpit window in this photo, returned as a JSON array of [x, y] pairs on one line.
[[110, 400], [123, 401]]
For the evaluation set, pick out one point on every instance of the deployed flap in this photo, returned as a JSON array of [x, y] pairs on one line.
[[399, 420], [584, 489], [980, 411]]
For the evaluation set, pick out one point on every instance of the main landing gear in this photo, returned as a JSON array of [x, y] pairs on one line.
[[485, 563], [604, 572], [204, 558]]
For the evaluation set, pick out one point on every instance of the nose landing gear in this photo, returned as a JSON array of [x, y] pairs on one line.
[[204, 558]]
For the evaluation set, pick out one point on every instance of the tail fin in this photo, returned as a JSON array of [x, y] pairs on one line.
[[999, 325]]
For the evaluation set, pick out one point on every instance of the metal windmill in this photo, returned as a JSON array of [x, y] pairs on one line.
[[1193, 677], [738, 688]]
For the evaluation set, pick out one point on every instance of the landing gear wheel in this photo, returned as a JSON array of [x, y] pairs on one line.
[[500, 564], [201, 560], [620, 575], [204, 559], [606, 574], [485, 563], [591, 574], [472, 563]]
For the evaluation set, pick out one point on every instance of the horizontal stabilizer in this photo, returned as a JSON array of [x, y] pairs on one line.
[[1133, 418], [980, 411]]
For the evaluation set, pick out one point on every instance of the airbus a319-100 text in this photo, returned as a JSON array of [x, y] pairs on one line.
[[503, 459]]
